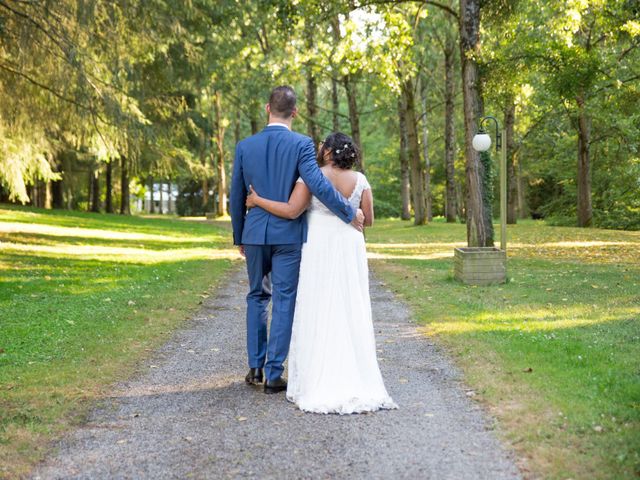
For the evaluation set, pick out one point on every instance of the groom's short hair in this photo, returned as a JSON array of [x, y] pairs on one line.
[[282, 101]]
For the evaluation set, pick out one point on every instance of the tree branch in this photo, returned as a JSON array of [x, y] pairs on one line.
[[439, 5], [50, 90]]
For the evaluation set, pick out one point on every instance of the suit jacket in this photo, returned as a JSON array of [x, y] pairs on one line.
[[271, 161]]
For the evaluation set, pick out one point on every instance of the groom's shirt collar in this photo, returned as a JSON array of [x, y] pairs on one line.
[[278, 124]]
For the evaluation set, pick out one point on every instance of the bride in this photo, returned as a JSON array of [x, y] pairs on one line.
[[332, 359]]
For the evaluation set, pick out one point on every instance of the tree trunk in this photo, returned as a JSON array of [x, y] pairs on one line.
[[152, 205], [478, 226], [523, 209], [254, 121], [89, 189], [205, 167], [335, 105], [585, 212], [512, 181], [57, 192], [169, 206], [236, 130], [108, 200], [405, 192], [221, 174], [47, 196], [415, 164], [425, 152], [95, 191], [312, 109], [335, 100], [35, 195], [451, 204], [125, 209], [160, 203], [313, 129], [354, 115]]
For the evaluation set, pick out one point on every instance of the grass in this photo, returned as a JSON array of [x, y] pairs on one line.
[[554, 354], [83, 297]]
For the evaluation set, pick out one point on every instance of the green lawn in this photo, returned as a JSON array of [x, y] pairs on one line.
[[554, 354], [82, 298]]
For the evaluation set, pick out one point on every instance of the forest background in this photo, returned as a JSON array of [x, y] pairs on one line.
[[102, 100]]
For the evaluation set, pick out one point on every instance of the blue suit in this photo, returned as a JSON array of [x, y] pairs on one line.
[[271, 161]]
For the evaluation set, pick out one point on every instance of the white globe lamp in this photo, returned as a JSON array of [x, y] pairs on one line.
[[481, 141]]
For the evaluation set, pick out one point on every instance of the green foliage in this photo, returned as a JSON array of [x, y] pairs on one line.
[[138, 79]]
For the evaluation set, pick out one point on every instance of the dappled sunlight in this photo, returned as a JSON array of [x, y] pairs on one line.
[[120, 254], [405, 246], [550, 314], [408, 256], [575, 244], [58, 231], [527, 321]]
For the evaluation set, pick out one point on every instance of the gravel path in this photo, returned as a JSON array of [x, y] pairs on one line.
[[190, 415]]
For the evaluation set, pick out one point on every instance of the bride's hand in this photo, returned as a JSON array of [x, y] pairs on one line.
[[252, 198]]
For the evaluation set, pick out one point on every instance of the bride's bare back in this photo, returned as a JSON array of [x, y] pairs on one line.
[[343, 180]]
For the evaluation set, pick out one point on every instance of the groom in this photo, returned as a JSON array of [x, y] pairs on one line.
[[271, 161]]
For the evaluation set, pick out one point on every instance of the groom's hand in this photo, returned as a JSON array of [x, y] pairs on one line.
[[358, 220], [241, 250]]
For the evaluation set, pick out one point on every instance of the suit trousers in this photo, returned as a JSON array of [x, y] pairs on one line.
[[283, 263]]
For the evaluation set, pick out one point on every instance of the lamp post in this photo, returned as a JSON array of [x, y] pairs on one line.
[[481, 143]]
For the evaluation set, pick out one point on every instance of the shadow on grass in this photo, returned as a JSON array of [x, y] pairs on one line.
[[107, 221], [55, 240]]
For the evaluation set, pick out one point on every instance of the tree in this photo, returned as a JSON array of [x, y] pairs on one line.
[[479, 228]]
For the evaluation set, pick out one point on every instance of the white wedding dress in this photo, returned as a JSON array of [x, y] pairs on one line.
[[332, 359]]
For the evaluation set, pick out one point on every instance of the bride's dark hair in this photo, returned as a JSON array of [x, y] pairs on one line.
[[344, 152]]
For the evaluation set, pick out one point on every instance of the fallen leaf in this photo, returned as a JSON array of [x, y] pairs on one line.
[[242, 419], [528, 370], [131, 302], [403, 380]]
